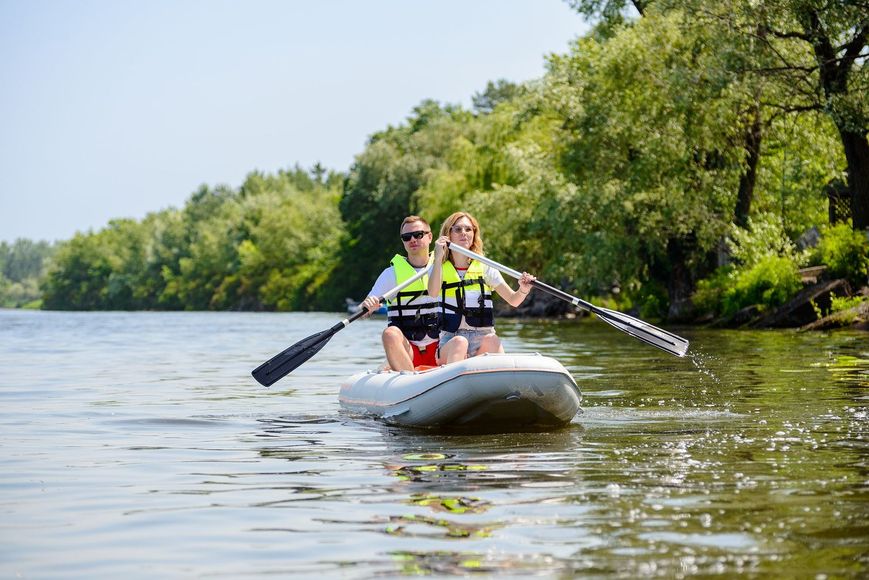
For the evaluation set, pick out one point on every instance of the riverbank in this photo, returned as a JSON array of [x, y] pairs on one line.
[[810, 309]]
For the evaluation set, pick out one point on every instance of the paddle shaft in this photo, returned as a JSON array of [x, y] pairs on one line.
[[391, 294], [291, 358], [516, 274], [637, 328], [381, 299]]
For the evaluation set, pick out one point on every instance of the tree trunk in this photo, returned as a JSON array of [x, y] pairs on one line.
[[857, 154], [747, 180], [836, 64]]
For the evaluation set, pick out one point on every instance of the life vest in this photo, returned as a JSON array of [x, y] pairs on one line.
[[412, 310], [471, 298]]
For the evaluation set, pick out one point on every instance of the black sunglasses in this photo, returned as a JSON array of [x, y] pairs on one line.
[[417, 234]]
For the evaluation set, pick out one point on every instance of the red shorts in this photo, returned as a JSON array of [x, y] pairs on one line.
[[428, 357]]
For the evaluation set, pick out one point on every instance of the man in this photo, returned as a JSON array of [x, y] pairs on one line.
[[411, 337]]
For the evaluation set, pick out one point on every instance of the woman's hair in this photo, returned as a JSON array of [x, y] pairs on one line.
[[476, 244]]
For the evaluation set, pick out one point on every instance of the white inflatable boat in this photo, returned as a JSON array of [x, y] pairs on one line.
[[501, 392]]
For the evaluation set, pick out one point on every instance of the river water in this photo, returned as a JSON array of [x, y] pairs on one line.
[[138, 445]]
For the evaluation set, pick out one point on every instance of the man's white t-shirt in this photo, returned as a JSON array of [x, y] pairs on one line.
[[386, 281]]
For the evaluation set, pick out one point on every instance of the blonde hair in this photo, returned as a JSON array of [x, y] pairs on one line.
[[476, 243]]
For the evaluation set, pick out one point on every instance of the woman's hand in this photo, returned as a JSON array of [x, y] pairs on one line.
[[525, 282], [516, 297], [436, 275], [440, 248]]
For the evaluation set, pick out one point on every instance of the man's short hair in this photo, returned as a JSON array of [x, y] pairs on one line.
[[413, 218]]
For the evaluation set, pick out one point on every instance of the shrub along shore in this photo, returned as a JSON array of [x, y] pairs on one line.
[[821, 305]]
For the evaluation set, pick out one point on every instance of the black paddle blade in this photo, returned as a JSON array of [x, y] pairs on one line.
[[286, 362], [644, 331]]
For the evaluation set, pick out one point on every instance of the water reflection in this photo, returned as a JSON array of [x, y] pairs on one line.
[[656, 489], [437, 488], [466, 495], [458, 563], [450, 505], [849, 369]]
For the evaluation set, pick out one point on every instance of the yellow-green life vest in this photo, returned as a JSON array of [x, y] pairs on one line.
[[412, 310], [471, 298]]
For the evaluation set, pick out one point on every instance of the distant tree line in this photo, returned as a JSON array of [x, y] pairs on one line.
[[22, 265], [678, 151]]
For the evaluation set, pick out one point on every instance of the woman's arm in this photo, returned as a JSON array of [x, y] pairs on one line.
[[436, 275], [517, 297]]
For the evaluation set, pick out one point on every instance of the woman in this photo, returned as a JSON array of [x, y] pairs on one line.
[[464, 287]]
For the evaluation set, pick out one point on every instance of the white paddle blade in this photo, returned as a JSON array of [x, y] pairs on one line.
[[644, 331]]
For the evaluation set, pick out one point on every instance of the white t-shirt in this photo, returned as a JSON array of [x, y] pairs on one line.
[[386, 281]]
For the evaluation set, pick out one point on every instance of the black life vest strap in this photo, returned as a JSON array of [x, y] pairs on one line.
[[413, 324], [411, 296], [461, 307], [481, 302]]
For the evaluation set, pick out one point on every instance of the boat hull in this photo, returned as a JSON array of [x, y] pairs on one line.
[[494, 392]]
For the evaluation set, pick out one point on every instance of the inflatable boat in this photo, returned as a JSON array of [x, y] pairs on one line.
[[493, 392]]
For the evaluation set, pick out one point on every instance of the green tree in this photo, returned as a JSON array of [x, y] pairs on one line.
[[495, 93], [382, 188], [268, 245], [22, 266], [649, 144], [99, 270], [813, 51], [23, 258], [831, 76]]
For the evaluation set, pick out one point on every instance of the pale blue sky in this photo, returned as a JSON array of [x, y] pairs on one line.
[[114, 108]]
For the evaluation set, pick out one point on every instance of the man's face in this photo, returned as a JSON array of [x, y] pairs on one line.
[[411, 238]]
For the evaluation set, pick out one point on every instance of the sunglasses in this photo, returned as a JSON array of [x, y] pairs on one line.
[[417, 234], [460, 229]]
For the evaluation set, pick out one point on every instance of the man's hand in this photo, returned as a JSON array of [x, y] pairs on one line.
[[371, 304]]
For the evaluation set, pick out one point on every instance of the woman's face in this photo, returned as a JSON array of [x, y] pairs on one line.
[[462, 232]]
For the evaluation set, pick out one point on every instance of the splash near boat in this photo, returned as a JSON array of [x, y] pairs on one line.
[[494, 392]]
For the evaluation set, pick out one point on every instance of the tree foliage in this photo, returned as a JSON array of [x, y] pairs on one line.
[[270, 244], [652, 157], [22, 264]]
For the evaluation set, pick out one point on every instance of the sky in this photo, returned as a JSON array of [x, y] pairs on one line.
[[117, 108]]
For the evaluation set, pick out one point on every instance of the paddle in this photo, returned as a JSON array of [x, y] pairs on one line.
[[637, 328], [289, 360]]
